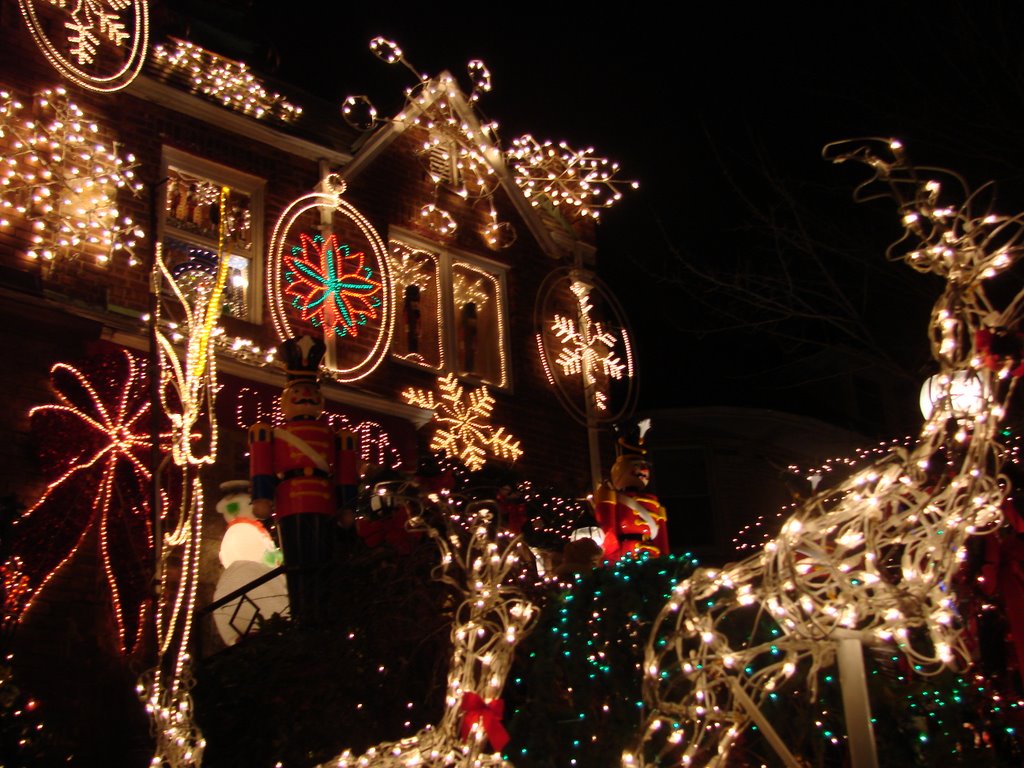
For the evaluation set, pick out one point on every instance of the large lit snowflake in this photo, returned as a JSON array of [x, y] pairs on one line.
[[95, 441], [587, 348], [61, 177], [463, 432], [333, 287]]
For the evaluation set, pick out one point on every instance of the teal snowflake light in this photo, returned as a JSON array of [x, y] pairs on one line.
[[334, 288]]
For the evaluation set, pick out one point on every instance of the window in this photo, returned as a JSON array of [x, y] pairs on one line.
[[192, 231], [450, 311]]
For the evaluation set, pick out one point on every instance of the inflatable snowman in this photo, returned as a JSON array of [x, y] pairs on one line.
[[247, 553]]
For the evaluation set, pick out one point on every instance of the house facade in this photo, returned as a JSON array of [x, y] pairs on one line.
[[452, 283]]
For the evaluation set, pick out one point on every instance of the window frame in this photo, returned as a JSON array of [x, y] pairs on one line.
[[447, 260], [247, 184]]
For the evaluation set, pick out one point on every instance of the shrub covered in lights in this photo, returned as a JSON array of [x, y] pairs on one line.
[[573, 696]]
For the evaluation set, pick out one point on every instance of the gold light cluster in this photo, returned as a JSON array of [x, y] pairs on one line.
[[576, 182], [872, 559], [229, 82], [60, 177], [189, 384]]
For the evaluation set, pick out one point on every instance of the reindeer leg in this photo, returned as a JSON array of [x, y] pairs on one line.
[[754, 712]]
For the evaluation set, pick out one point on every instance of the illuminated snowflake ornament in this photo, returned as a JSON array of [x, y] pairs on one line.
[[334, 288], [575, 182], [463, 432], [585, 346], [588, 347], [81, 39], [61, 177]]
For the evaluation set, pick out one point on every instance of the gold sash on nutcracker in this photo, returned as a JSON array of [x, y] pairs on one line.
[[297, 442]]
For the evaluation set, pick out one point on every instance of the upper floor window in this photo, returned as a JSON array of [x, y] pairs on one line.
[[213, 212], [451, 314]]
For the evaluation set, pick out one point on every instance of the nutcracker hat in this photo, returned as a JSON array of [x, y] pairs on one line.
[[301, 356], [631, 439]]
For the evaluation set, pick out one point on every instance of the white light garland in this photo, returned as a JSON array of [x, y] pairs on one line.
[[226, 81], [876, 554], [187, 393]]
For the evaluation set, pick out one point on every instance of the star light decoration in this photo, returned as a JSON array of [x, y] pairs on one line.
[[463, 152], [59, 175], [872, 560], [463, 432], [228, 82], [334, 288], [95, 32], [487, 568], [346, 293], [588, 349]]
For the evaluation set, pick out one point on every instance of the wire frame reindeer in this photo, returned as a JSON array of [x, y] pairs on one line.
[[487, 567], [875, 557]]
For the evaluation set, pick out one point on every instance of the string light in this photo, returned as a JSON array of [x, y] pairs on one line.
[[59, 176], [588, 350], [90, 29], [229, 82], [575, 182], [877, 553], [100, 421]]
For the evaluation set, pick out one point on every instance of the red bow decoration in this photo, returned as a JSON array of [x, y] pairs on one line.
[[488, 714]]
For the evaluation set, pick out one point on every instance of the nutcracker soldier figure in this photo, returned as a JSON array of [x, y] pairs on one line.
[[304, 472], [633, 520]]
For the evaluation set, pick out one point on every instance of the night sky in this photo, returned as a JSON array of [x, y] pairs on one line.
[[721, 112]]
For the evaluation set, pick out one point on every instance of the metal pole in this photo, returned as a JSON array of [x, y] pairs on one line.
[[856, 704]]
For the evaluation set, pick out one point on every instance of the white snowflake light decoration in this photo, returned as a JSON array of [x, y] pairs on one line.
[[587, 347], [576, 182], [463, 432], [59, 175], [94, 33]]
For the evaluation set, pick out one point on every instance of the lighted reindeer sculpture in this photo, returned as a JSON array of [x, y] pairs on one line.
[[873, 560], [487, 566]]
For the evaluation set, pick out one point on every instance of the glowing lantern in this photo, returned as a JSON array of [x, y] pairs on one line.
[[959, 393]]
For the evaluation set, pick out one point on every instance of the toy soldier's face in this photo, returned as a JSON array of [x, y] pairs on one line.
[[302, 400], [630, 472]]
